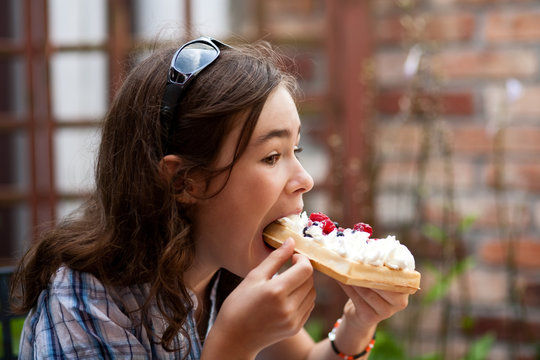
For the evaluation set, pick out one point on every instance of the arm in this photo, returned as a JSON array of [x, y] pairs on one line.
[[267, 312], [264, 309], [362, 312]]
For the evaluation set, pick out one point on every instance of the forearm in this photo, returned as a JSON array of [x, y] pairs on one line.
[[220, 346]]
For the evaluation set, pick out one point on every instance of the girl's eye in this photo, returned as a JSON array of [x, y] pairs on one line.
[[272, 159], [297, 150]]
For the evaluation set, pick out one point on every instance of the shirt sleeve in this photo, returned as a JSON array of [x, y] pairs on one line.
[[77, 318]]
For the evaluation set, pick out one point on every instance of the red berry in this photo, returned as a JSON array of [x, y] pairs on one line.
[[318, 217], [363, 227], [328, 226]]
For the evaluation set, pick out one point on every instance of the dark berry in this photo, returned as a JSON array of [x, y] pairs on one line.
[[305, 233]]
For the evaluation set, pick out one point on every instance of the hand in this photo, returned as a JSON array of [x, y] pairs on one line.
[[264, 308], [367, 307]]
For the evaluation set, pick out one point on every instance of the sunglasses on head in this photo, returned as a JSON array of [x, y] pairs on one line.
[[192, 57]]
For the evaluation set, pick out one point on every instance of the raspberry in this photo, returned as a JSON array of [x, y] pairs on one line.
[[363, 227], [318, 217], [327, 226]]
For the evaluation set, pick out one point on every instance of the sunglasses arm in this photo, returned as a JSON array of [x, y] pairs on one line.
[[169, 106]]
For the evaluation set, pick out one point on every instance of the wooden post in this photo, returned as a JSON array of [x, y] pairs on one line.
[[349, 51]]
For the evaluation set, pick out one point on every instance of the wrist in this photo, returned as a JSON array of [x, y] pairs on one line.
[[350, 325], [351, 343], [223, 345]]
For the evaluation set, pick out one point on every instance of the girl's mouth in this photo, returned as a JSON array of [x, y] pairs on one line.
[[265, 243]]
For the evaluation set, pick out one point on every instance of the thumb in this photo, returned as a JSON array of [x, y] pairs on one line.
[[269, 266]]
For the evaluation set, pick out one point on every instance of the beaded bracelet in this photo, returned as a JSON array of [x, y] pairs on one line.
[[332, 337]]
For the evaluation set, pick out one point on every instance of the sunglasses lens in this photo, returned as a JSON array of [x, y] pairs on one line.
[[194, 57]]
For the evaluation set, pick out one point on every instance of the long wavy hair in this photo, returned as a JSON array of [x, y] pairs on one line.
[[133, 230]]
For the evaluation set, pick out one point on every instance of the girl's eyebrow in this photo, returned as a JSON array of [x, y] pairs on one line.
[[276, 133]]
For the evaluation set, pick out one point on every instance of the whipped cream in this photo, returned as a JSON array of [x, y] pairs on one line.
[[355, 245]]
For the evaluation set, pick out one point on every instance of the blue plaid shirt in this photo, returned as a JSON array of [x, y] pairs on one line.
[[78, 318]]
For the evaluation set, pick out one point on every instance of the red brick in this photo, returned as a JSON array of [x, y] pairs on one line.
[[388, 7], [398, 139], [515, 214], [389, 68], [393, 173], [531, 294], [471, 140], [517, 174], [536, 211], [526, 253], [485, 286], [507, 329], [297, 7], [302, 66], [481, 2], [439, 27], [527, 105], [524, 107], [483, 208], [452, 103], [522, 139], [512, 26], [496, 64], [296, 29]]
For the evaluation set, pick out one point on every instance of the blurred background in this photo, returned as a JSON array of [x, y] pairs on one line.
[[421, 117]]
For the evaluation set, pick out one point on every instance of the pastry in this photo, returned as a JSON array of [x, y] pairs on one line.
[[350, 256]]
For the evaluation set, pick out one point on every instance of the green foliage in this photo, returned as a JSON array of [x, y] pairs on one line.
[[443, 280], [479, 350], [315, 329], [435, 233], [16, 325], [466, 223], [387, 347], [429, 357]]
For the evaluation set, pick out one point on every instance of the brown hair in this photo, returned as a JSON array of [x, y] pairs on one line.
[[132, 230]]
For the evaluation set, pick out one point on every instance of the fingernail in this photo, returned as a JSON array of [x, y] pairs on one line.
[[289, 242]]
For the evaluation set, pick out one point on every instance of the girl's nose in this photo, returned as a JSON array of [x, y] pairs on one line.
[[301, 182]]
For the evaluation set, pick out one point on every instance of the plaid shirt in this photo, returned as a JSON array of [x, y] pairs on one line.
[[78, 318]]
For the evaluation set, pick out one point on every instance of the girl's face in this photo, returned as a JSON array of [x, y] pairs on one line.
[[266, 183]]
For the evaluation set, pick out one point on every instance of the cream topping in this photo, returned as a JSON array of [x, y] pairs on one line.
[[353, 244]]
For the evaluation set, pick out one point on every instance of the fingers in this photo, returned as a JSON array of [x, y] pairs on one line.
[[276, 259], [300, 271], [397, 300], [295, 287], [372, 305]]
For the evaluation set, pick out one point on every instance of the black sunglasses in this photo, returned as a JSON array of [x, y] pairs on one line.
[[193, 57]]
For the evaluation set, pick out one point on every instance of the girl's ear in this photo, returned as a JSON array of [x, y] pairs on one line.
[[171, 165]]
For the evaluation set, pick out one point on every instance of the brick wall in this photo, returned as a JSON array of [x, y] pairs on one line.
[[451, 143], [490, 168]]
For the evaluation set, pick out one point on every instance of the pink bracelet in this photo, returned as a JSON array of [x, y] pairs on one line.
[[332, 337]]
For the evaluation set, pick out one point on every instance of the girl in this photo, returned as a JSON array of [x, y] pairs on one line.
[[167, 260]]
